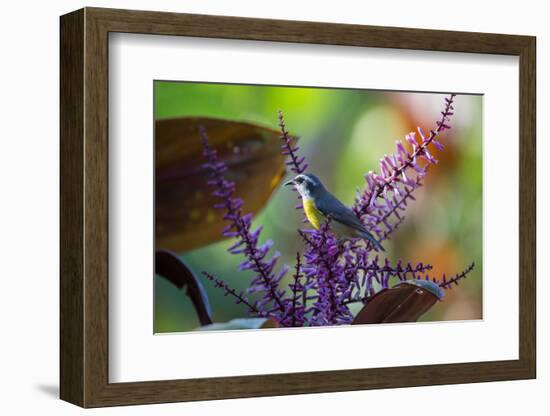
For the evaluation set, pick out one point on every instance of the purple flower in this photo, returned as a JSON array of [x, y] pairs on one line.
[[384, 199], [323, 266], [257, 260], [296, 164]]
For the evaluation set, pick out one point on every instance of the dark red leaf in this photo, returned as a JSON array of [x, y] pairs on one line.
[[173, 269], [405, 302], [184, 215]]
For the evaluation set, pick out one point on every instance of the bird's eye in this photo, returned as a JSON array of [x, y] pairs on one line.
[[299, 180]]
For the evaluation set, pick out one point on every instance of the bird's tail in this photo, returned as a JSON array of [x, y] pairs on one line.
[[368, 236]]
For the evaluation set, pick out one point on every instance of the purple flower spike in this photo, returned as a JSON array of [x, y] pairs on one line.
[[257, 260], [400, 175], [322, 265], [239, 297], [297, 164]]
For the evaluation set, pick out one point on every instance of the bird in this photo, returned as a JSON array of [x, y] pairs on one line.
[[319, 204]]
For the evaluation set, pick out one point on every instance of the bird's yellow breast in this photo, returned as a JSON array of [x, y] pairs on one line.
[[314, 216]]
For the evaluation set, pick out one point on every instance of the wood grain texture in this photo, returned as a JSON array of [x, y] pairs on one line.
[[71, 208], [527, 208], [84, 206]]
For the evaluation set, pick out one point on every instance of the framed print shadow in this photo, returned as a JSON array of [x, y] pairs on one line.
[[254, 207]]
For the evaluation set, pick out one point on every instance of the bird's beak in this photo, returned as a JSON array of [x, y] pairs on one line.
[[290, 182]]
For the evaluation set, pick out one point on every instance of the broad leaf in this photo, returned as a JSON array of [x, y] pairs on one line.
[[172, 268], [184, 214], [405, 302]]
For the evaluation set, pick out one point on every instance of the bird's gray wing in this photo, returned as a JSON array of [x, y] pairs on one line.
[[329, 205]]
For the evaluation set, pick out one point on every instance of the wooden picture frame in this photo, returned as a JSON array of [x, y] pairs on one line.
[[84, 207]]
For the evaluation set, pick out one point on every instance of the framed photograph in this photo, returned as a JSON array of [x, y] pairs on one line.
[[255, 207]]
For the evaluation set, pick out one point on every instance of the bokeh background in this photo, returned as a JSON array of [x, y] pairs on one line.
[[343, 133]]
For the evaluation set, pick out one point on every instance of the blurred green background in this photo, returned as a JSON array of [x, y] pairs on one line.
[[343, 133]]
